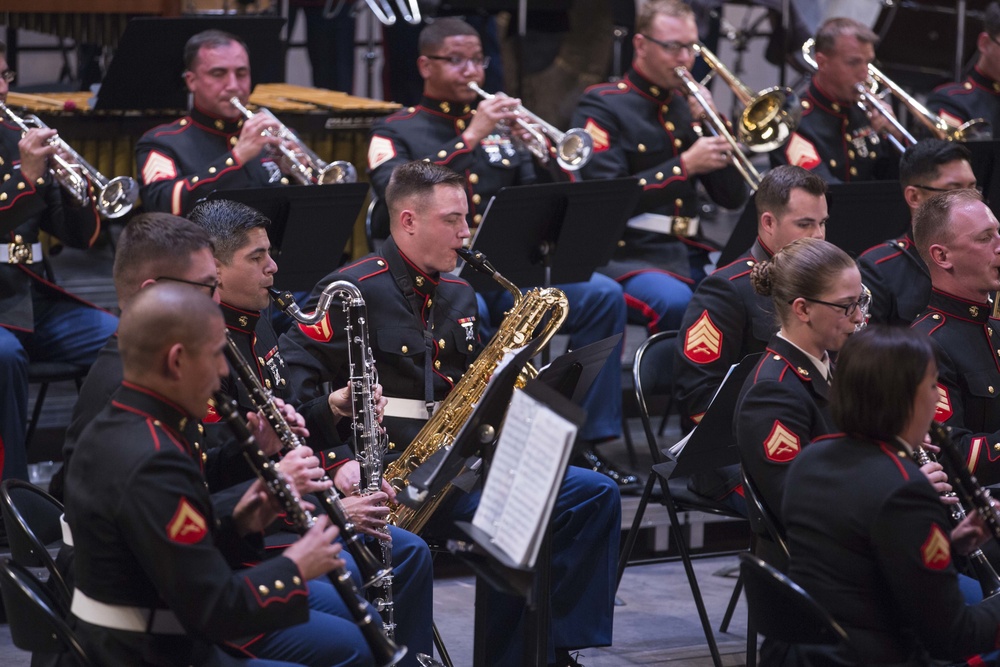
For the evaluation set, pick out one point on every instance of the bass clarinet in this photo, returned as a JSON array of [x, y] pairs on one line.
[[384, 650], [371, 570], [370, 439]]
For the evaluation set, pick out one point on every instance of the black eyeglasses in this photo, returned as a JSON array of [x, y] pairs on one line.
[[8, 75], [459, 62], [672, 47], [849, 308], [211, 287], [930, 188]]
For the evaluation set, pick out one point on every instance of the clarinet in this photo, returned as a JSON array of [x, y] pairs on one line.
[[372, 572], [384, 650], [989, 581], [371, 440]]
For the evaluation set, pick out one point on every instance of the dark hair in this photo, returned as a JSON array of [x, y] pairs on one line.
[[211, 39], [653, 8], [931, 222], [776, 188], [153, 245], [228, 223], [803, 268], [922, 159], [878, 372], [831, 29], [991, 19], [433, 36], [417, 179]]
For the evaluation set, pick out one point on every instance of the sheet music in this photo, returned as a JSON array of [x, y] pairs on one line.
[[676, 448], [521, 488]]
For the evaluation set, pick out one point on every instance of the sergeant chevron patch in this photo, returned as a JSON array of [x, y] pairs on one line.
[[703, 341], [936, 550], [781, 445]]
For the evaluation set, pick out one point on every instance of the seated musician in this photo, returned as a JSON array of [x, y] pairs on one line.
[[870, 540], [213, 147], [893, 270], [957, 236], [815, 289], [246, 270], [422, 323], [451, 129], [38, 320], [152, 562], [978, 97], [642, 126], [727, 320], [836, 139], [159, 248]]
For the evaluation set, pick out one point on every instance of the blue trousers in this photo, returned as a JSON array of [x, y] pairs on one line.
[[65, 330], [656, 300], [596, 311], [586, 524]]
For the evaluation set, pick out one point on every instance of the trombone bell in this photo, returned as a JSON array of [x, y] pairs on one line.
[[769, 119]]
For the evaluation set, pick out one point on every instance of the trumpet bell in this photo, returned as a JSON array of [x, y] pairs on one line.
[[976, 129], [338, 171], [575, 149], [117, 197], [769, 119]]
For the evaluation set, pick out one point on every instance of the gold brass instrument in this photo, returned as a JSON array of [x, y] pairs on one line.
[[717, 127], [768, 118], [306, 167], [572, 149], [383, 11], [516, 330], [114, 198]]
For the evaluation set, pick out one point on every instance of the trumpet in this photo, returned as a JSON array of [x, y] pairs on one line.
[[114, 197], [306, 167], [383, 11], [717, 127], [572, 149], [769, 117]]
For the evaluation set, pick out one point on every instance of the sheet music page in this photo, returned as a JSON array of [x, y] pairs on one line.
[[520, 491], [676, 448]]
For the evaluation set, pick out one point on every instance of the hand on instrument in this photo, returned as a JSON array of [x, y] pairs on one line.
[[697, 111], [302, 469], [267, 439], [368, 513], [935, 474], [347, 479], [706, 155], [255, 510], [317, 552], [970, 534], [35, 151], [488, 114], [880, 120], [251, 142]]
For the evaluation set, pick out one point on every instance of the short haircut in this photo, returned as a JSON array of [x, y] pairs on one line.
[[210, 39], [931, 222], [878, 372], [160, 316], [922, 159], [417, 179], [776, 188], [831, 29], [153, 245], [650, 10], [803, 268], [228, 223], [991, 20], [432, 37]]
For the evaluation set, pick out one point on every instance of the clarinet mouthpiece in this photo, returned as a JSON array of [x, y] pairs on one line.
[[282, 300], [477, 260]]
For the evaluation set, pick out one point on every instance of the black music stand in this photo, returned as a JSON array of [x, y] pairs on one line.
[[310, 225], [573, 373], [861, 215], [553, 232], [986, 167], [148, 67]]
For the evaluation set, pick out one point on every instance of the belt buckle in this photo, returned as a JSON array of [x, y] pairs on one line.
[[680, 226], [19, 253]]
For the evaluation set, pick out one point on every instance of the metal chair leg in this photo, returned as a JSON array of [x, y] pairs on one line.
[[732, 605], [633, 532], [36, 414], [440, 648]]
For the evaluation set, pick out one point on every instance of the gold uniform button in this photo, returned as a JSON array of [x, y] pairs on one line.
[[201, 429], [505, 162], [3, 196], [835, 107], [850, 154], [380, 263], [678, 143], [279, 585], [476, 199], [935, 316], [641, 148], [473, 178], [470, 348], [990, 389], [872, 154], [621, 243], [833, 163], [437, 364], [157, 423], [297, 580], [677, 171], [212, 170], [749, 262], [419, 280], [642, 181], [776, 358], [655, 91], [678, 202], [430, 302], [664, 108], [264, 590], [477, 218], [260, 360], [20, 186], [411, 109], [392, 445], [659, 175], [331, 455], [460, 124], [6, 177], [450, 379], [232, 141], [847, 137], [219, 125], [41, 181], [460, 144], [229, 162], [441, 344], [967, 85], [204, 457], [267, 383], [622, 85], [854, 171], [184, 122], [404, 349], [442, 153], [806, 104], [669, 126]]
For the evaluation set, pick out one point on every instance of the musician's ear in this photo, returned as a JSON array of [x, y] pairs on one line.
[[173, 361], [407, 221], [424, 66]]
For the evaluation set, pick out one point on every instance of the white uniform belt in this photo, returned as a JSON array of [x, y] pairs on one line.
[[119, 617], [20, 253], [406, 408], [665, 224], [67, 534]]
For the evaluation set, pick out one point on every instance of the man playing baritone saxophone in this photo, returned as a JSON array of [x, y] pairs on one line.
[[422, 323], [246, 271], [213, 147]]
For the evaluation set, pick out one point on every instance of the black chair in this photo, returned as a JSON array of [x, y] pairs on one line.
[[31, 518], [376, 224], [45, 373], [36, 623], [781, 610], [652, 376]]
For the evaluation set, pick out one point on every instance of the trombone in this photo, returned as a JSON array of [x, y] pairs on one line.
[[114, 198], [572, 149], [383, 11], [307, 167], [717, 127]]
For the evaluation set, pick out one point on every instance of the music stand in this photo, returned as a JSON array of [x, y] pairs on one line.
[[310, 225], [984, 166], [562, 231], [573, 373], [861, 215], [148, 67]]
